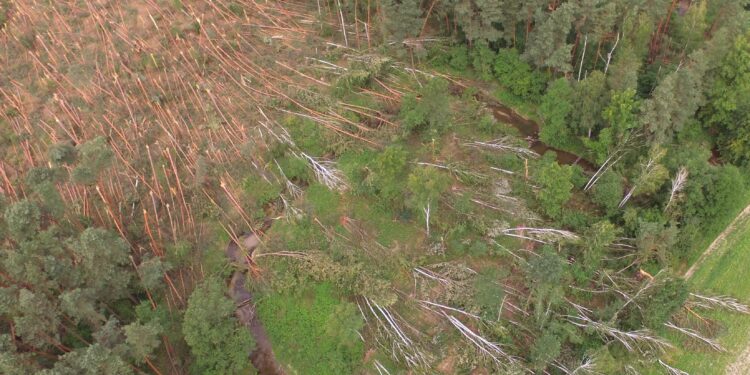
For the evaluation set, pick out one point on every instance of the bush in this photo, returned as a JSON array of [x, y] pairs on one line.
[[388, 175], [323, 202], [295, 169], [482, 58], [300, 235], [608, 191], [307, 135], [262, 191], [432, 113]]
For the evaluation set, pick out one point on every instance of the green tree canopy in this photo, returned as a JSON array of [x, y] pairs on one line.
[[555, 185], [216, 339]]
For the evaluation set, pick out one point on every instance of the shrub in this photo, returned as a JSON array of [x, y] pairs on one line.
[[323, 202], [262, 191], [432, 113], [608, 191]]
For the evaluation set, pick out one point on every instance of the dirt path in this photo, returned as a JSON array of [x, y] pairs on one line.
[[741, 365], [717, 242], [262, 357]]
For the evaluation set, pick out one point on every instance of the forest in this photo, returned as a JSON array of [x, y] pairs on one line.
[[374, 187]]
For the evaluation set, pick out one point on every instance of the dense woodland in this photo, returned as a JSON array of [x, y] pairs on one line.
[[437, 186]]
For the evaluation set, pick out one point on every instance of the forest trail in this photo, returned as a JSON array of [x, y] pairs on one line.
[[262, 357], [716, 243]]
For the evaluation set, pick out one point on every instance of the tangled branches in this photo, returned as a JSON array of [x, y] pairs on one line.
[[503, 144], [723, 302], [326, 172], [401, 346], [642, 340]]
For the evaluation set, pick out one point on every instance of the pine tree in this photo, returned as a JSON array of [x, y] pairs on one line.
[[218, 342]]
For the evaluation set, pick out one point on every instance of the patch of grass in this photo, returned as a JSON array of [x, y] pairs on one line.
[[720, 274], [389, 227], [313, 332], [323, 202]]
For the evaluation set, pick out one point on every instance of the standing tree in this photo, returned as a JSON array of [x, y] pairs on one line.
[[620, 115], [217, 340], [555, 109], [545, 274], [426, 185], [547, 45], [728, 109], [555, 185]]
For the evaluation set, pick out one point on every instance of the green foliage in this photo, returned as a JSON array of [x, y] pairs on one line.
[[488, 292], [62, 153], [478, 19], [458, 58], [654, 241], [263, 191], [103, 259], [431, 114], [620, 116], [545, 274], [297, 235], [546, 348], [555, 185], [658, 304], [425, 185], [388, 172], [356, 168], [482, 59], [36, 319], [517, 76], [295, 169], [547, 45], [596, 240], [142, 339], [22, 219], [728, 111], [589, 101], [218, 342], [555, 109], [608, 191], [312, 331], [307, 135], [151, 273], [401, 19], [361, 73], [91, 360], [323, 202], [94, 156]]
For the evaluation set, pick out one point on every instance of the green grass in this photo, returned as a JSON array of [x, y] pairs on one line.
[[723, 273], [711, 231]]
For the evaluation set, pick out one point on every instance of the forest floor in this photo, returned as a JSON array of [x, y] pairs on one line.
[[719, 271]]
